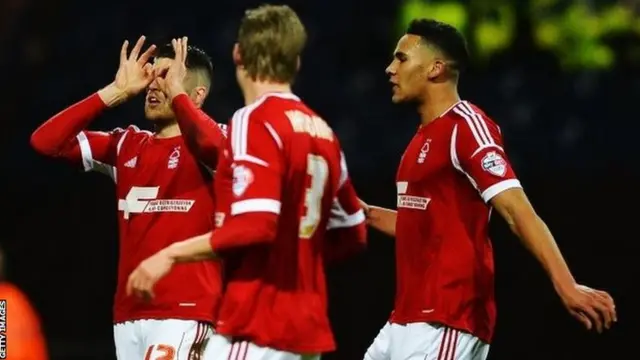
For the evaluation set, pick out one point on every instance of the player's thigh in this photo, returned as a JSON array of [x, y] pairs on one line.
[[127, 342], [423, 341], [243, 350], [174, 339], [379, 348]]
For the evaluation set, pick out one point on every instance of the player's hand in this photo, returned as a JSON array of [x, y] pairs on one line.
[[593, 308], [365, 207], [134, 74], [171, 79], [147, 274]]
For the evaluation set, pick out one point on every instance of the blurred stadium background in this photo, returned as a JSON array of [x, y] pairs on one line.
[[561, 77]]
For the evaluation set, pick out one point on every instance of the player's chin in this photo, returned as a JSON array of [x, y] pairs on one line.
[[157, 114]]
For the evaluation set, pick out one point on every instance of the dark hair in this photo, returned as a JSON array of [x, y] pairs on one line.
[[444, 37], [197, 59]]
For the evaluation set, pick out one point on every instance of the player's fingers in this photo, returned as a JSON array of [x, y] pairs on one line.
[[148, 70], [144, 58], [137, 47], [176, 48], [131, 283], [606, 297], [129, 286], [123, 52], [594, 315], [582, 318], [185, 49], [606, 308]]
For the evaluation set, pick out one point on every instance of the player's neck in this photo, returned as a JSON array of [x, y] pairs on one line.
[[168, 130], [256, 89], [436, 103]]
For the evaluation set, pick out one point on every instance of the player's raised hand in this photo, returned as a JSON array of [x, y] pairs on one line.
[[134, 73], [147, 274], [594, 308], [171, 79]]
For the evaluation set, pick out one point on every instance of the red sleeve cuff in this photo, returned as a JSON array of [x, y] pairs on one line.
[[245, 230]]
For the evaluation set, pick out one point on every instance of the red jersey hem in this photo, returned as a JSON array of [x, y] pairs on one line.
[[296, 349], [164, 316], [436, 320]]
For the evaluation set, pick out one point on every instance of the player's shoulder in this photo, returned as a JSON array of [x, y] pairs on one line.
[[468, 116]]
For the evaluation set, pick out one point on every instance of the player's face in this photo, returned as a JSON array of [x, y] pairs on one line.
[[408, 72], [157, 106]]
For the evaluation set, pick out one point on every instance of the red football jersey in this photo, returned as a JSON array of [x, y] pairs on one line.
[[164, 196], [451, 169], [283, 159]]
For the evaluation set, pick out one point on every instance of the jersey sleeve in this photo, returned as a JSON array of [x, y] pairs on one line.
[[477, 151], [346, 229], [257, 165], [203, 135], [63, 136], [98, 150], [346, 211]]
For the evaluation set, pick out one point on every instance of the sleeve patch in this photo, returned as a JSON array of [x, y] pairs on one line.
[[242, 178], [494, 164]]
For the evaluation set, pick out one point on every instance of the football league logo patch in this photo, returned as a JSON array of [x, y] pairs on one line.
[[494, 164], [242, 178]]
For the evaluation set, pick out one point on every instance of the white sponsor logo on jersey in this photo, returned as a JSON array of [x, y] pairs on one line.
[[413, 202], [142, 199], [242, 178], [494, 164]]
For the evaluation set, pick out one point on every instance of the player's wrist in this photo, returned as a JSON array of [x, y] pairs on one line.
[[112, 96], [171, 252]]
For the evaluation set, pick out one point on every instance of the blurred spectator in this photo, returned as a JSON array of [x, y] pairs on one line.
[[25, 340]]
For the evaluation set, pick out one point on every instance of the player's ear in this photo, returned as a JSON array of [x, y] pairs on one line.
[[237, 57], [436, 69], [198, 95]]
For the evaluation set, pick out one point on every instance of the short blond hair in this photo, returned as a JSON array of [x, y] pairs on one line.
[[271, 39]]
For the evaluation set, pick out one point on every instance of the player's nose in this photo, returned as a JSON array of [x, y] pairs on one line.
[[153, 85]]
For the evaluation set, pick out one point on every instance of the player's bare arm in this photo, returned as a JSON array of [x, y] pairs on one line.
[[243, 230], [594, 308], [381, 219]]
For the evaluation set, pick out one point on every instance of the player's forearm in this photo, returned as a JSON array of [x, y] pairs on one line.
[[202, 134], [537, 238], [197, 248], [52, 137], [382, 219]]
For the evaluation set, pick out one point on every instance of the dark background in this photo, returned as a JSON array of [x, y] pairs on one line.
[[568, 111]]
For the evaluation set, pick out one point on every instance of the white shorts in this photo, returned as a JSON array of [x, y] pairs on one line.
[[221, 348], [423, 341], [160, 339]]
